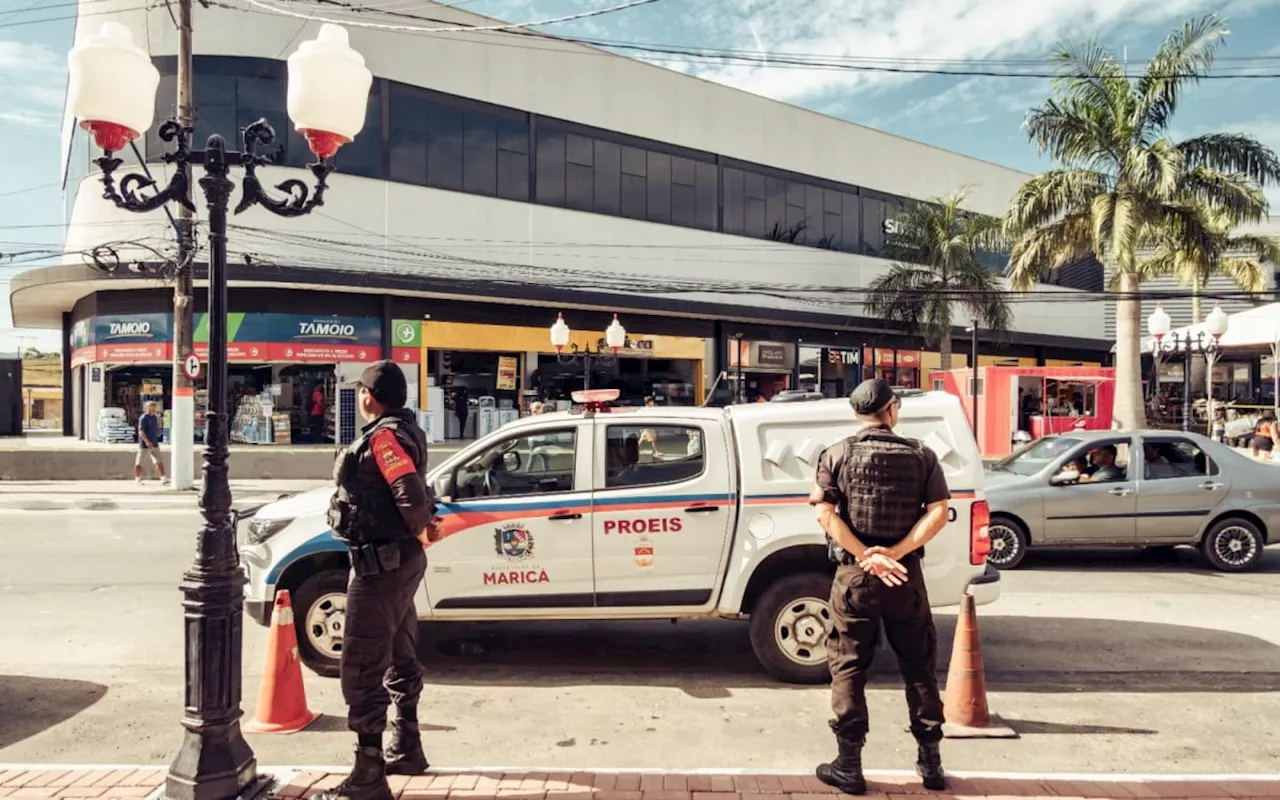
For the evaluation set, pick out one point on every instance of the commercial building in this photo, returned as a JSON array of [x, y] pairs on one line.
[[500, 180]]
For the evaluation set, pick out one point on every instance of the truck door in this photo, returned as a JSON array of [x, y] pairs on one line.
[[662, 510], [518, 526]]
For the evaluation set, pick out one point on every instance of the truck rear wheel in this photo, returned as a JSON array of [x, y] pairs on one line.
[[789, 627], [319, 618]]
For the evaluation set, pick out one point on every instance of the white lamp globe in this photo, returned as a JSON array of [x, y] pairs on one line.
[[328, 90], [1158, 324], [111, 87], [615, 335], [1217, 321], [560, 333]]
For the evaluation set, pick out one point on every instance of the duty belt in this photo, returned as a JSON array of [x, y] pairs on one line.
[[376, 558]]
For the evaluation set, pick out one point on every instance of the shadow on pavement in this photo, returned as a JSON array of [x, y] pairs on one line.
[[1182, 559], [708, 658], [30, 705], [1027, 727]]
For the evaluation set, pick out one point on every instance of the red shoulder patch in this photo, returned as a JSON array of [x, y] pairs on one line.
[[393, 462]]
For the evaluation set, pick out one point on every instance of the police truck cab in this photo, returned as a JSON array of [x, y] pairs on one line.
[[650, 513]]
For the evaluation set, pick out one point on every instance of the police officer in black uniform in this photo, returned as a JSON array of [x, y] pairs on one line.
[[385, 513], [880, 498]]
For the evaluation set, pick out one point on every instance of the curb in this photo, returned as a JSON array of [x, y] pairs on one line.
[[178, 501], [293, 769]]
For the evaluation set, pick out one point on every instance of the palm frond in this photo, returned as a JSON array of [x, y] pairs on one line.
[[1184, 57], [1247, 273], [1072, 132], [1091, 73], [1050, 195], [1045, 248], [1234, 197], [1262, 248], [1233, 152], [1154, 167]]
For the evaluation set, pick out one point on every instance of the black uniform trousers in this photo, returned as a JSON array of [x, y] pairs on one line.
[[379, 664], [860, 603]]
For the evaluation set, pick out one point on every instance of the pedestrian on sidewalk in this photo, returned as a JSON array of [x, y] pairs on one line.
[[880, 498], [385, 513], [149, 443]]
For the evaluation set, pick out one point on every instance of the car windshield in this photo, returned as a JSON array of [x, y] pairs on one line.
[[1034, 458]]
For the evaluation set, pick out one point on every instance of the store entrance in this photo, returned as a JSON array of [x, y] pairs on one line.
[[481, 391], [128, 389]]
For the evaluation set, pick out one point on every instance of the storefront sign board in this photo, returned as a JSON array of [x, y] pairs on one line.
[[297, 338], [508, 366], [406, 341]]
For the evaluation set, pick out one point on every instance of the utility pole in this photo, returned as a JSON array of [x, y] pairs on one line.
[[182, 428]]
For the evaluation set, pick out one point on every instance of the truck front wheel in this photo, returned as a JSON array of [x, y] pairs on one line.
[[789, 627], [319, 614]]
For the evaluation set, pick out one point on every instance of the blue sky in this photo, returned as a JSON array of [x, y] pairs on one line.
[[978, 116]]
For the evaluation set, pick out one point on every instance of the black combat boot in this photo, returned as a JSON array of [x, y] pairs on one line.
[[404, 755], [929, 766], [845, 773], [367, 781]]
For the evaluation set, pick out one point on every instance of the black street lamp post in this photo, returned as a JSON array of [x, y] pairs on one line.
[[1203, 342], [615, 338], [329, 87]]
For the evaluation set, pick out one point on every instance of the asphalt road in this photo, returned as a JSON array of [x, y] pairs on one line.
[[1103, 663]]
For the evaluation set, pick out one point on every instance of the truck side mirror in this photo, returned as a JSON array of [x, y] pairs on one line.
[[443, 487]]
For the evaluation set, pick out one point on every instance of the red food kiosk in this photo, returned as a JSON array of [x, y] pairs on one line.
[[1038, 400]]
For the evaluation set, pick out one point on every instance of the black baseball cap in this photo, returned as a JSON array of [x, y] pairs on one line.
[[385, 381], [871, 397]]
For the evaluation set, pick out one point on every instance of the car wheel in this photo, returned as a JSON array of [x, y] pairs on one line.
[[1233, 545], [1008, 542], [319, 617], [789, 627]]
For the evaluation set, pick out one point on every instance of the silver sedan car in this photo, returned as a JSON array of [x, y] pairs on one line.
[[1143, 488]]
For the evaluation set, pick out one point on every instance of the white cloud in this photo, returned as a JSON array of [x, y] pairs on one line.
[[910, 29], [32, 83]]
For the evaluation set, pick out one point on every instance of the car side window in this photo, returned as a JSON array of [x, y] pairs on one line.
[[536, 463], [639, 455], [1097, 462], [1174, 457]]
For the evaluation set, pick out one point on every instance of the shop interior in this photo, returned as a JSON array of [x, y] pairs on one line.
[[267, 404], [667, 381], [481, 390], [1055, 398]]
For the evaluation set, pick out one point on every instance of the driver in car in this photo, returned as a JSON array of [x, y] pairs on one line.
[[1104, 459]]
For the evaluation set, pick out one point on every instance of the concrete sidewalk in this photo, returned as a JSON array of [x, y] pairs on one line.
[[110, 781], [126, 495]]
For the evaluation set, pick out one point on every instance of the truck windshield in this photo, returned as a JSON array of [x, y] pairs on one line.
[[1035, 457]]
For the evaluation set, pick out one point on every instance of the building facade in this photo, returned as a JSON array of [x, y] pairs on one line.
[[499, 181]]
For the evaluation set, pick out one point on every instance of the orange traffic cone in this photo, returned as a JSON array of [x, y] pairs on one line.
[[282, 699], [965, 705]]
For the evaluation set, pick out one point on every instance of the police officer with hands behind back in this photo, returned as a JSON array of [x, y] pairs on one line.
[[880, 498], [385, 513]]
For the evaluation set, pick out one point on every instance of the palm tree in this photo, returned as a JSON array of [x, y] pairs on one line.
[[937, 248], [1121, 176], [1241, 258]]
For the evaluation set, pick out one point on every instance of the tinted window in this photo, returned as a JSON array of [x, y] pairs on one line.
[[636, 455], [538, 463], [608, 174], [708, 199], [1175, 458], [659, 169], [551, 168], [734, 201], [479, 154], [364, 155], [444, 147]]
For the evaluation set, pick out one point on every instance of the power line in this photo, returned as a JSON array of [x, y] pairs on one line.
[[460, 28], [727, 57]]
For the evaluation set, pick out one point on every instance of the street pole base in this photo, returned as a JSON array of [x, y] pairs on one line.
[[214, 765], [994, 729]]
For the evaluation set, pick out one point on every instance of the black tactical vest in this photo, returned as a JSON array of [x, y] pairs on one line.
[[882, 481], [363, 509]]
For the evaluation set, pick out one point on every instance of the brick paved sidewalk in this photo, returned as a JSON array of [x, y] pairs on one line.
[[295, 784]]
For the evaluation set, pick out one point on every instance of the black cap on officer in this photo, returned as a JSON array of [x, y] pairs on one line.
[[871, 397], [386, 382]]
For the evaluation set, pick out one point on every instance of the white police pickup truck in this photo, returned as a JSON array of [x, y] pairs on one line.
[[651, 513]]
